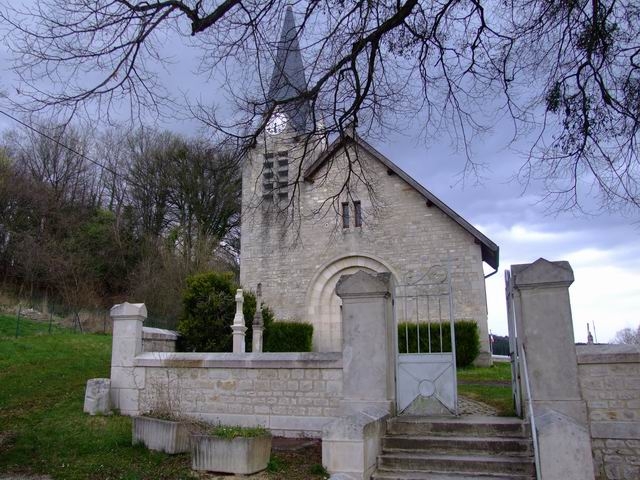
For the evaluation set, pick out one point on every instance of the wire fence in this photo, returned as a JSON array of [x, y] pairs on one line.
[[38, 315]]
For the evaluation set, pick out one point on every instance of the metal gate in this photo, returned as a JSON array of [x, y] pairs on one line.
[[512, 307], [426, 360]]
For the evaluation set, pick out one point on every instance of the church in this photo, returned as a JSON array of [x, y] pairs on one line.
[[314, 210]]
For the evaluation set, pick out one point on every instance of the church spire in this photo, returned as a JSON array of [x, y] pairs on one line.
[[288, 78]]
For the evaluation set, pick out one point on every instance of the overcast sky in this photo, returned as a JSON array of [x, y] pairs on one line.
[[603, 250]]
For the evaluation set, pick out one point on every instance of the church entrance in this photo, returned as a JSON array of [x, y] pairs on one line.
[[426, 366], [324, 306]]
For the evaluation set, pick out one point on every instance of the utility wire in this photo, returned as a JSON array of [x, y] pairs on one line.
[[72, 150]]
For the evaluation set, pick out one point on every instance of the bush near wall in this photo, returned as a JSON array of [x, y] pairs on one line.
[[467, 339], [287, 337], [208, 308]]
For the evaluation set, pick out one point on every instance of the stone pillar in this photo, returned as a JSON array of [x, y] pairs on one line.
[[238, 326], [545, 332], [368, 356], [351, 443], [258, 324], [126, 381]]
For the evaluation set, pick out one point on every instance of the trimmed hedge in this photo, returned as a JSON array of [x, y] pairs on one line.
[[208, 308], [287, 337], [467, 339]]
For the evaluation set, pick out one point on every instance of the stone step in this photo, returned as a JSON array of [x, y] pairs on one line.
[[469, 464], [458, 426], [451, 444], [413, 475]]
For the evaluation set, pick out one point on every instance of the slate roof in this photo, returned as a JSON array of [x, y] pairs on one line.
[[288, 79], [490, 251]]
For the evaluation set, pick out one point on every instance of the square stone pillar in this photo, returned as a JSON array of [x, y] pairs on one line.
[[126, 381], [368, 353], [545, 333]]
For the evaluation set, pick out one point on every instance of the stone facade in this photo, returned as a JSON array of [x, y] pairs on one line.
[[299, 254], [610, 383], [295, 397]]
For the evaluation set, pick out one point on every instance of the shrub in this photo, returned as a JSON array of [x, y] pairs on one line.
[[467, 339], [288, 337], [208, 309]]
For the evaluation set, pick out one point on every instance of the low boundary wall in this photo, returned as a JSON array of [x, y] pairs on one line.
[[292, 394], [610, 382]]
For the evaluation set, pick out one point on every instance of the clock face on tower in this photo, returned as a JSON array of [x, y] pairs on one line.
[[277, 123]]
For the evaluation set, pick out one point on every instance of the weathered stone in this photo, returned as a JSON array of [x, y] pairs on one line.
[[240, 455], [368, 352], [161, 435], [97, 396], [298, 262]]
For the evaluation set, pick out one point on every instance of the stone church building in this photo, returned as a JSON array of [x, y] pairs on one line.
[[314, 210]]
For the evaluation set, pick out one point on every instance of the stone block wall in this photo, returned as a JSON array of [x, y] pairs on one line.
[[308, 251], [292, 394], [158, 340], [610, 383]]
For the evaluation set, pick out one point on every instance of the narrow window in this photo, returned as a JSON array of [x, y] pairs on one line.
[[358, 212], [345, 215]]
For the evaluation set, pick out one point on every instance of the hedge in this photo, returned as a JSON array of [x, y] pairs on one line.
[[467, 339], [288, 337], [208, 309]]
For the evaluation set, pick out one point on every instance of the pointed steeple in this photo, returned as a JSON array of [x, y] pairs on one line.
[[288, 79]]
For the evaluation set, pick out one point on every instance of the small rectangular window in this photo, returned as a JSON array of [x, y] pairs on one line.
[[345, 215], [268, 165], [283, 185], [268, 175], [283, 153], [358, 212], [283, 163], [267, 186], [269, 155]]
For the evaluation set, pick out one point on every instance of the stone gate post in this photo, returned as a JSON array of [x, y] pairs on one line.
[[368, 354], [545, 332], [351, 443], [126, 380]]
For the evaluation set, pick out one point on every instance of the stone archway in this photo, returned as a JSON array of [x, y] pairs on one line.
[[323, 305]]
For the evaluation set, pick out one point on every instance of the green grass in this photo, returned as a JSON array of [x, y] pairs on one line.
[[10, 325], [233, 431], [42, 427], [499, 372], [491, 385]]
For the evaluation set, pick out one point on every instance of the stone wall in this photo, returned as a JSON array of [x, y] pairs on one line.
[[299, 262], [610, 383], [292, 394], [158, 340]]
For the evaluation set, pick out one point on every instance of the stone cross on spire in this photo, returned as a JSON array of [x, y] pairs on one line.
[[288, 78]]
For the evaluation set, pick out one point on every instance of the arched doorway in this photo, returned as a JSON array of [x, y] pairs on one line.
[[323, 305]]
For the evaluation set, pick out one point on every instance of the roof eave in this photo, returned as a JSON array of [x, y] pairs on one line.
[[490, 251]]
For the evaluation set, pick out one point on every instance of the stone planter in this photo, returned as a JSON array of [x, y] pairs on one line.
[[240, 455], [162, 435]]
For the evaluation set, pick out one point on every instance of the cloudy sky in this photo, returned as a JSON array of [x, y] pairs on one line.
[[604, 250]]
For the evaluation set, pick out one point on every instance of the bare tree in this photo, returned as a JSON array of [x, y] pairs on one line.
[[568, 69], [628, 336]]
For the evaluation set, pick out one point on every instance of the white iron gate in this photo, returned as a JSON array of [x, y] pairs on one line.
[[426, 364], [512, 307]]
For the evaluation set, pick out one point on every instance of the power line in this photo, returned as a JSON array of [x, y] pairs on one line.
[[72, 150]]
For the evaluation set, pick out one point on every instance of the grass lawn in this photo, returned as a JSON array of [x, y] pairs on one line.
[[491, 385], [44, 431]]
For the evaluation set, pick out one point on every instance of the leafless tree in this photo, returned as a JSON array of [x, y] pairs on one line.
[[628, 336], [569, 69]]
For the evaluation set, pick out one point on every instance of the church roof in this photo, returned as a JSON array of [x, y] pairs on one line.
[[490, 251], [288, 79]]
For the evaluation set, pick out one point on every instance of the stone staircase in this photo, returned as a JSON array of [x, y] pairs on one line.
[[456, 448]]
